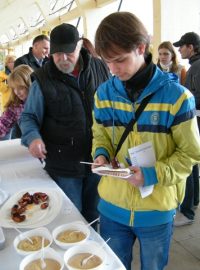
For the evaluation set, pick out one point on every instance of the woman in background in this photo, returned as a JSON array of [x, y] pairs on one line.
[[19, 81], [5, 91], [87, 44], [167, 61]]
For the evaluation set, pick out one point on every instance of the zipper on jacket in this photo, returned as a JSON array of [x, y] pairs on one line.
[[131, 218], [72, 141]]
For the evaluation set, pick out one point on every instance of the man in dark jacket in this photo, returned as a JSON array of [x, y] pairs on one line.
[[189, 48], [57, 119], [38, 53], [36, 58]]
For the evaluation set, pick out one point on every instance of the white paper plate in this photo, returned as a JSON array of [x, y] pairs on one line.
[[3, 196], [35, 216], [118, 173]]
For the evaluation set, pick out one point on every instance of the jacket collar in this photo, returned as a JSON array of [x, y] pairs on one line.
[[158, 80], [135, 85], [194, 58]]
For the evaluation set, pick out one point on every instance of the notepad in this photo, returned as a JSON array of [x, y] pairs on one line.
[[143, 155], [119, 173]]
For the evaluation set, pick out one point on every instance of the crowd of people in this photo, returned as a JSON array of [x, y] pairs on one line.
[[71, 102]]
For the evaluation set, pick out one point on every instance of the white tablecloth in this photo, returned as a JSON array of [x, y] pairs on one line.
[[19, 171]]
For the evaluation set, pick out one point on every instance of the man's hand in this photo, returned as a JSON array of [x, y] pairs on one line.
[[37, 149], [137, 179]]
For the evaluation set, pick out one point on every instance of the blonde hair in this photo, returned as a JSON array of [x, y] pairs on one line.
[[9, 58], [20, 76]]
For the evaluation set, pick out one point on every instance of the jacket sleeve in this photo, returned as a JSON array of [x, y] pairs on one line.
[[20, 61], [102, 142], [178, 165], [8, 119], [31, 119], [101, 70], [193, 82]]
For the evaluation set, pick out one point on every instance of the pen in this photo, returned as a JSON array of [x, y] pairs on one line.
[[128, 161], [90, 163]]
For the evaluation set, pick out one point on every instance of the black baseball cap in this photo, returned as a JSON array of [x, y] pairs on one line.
[[189, 38], [64, 38]]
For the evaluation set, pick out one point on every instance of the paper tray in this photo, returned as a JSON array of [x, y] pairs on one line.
[[119, 173]]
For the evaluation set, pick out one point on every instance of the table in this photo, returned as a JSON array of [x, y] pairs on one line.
[[18, 171]]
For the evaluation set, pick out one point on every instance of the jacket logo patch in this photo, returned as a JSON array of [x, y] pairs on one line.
[[155, 118]]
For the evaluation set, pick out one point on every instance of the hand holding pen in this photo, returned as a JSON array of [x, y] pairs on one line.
[[99, 161]]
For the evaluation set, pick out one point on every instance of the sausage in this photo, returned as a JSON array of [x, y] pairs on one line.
[[27, 198], [14, 209], [18, 218], [36, 198], [44, 205]]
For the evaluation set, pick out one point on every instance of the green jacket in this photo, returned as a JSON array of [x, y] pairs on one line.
[[169, 122]]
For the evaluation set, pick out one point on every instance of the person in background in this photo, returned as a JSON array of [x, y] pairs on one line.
[[36, 58], [37, 55], [87, 44], [167, 61], [57, 120], [9, 63], [189, 48], [19, 82], [167, 124], [5, 91]]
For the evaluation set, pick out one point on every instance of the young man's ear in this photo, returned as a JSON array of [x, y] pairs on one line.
[[141, 48], [191, 47]]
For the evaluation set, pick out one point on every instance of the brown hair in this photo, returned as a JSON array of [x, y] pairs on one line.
[[20, 76], [196, 48], [40, 38], [168, 45], [120, 31], [87, 44]]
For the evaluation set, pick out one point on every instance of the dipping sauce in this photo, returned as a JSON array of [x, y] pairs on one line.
[[71, 236], [76, 261], [37, 265], [26, 245]]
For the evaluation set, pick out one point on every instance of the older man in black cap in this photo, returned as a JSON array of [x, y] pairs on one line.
[[189, 48], [57, 119]]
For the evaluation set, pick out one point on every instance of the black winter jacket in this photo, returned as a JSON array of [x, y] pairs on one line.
[[29, 59], [66, 128], [193, 78]]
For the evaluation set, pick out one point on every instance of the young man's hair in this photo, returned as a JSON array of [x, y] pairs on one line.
[[120, 31], [40, 38], [196, 48]]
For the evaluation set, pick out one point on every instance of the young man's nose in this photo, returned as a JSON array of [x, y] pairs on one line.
[[113, 68]]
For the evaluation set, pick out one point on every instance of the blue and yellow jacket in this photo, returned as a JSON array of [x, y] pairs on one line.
[[169, 122]]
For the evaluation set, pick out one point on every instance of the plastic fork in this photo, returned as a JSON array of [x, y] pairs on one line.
[[86, 225], [43, 263], [20, 232], [85, 260]]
